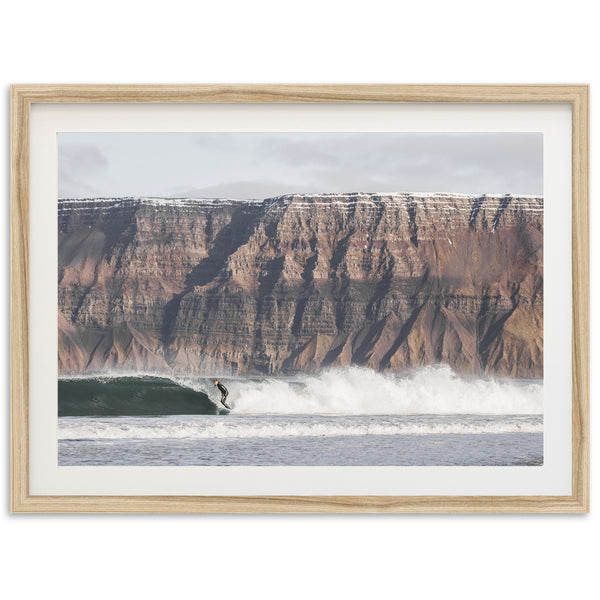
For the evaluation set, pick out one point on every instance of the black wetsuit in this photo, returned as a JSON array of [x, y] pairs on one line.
[[224, 394]]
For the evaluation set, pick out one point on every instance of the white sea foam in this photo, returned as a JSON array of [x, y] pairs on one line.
[[356, 390], [203, 427]]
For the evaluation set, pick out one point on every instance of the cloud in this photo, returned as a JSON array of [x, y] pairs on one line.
[[259, 165], [79, 169], [237, 189]]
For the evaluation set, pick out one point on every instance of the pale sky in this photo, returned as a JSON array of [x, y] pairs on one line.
[[260, 165]]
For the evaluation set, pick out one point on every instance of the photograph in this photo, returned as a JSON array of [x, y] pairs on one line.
[[300, 299]]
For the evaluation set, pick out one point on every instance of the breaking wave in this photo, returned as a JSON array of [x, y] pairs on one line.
[[349, 391]]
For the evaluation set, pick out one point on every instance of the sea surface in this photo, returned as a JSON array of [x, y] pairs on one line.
[[353, 416]]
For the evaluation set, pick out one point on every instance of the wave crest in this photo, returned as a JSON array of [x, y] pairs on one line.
[[349, 391]]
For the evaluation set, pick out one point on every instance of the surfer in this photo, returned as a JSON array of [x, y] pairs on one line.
[[224, 393]]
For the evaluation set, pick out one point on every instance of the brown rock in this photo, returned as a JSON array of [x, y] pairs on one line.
[[302, 282]]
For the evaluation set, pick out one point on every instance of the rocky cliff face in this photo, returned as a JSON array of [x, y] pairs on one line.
[[300, 282]]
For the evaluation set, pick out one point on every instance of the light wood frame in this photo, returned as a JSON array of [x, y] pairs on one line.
[[22, 97]]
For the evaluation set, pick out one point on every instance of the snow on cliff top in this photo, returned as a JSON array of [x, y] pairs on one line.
[[158, 201], [350, 196]]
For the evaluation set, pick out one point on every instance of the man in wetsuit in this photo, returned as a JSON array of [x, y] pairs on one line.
[[224, 393]]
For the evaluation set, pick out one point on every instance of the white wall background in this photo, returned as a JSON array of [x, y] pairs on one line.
[[261, 41]]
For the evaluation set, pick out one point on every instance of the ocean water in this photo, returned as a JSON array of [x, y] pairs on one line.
[[353, 417]]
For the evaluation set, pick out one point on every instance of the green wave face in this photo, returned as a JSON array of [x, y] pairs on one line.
[[130, 396]]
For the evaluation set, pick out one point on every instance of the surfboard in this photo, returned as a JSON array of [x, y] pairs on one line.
[[223, 410]]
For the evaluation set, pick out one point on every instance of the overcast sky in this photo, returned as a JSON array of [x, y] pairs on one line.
[[259, 165]]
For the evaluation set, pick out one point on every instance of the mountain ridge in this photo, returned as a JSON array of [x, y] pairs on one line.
[[300, 282]]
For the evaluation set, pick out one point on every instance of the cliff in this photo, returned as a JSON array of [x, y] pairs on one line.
[[300, 282]]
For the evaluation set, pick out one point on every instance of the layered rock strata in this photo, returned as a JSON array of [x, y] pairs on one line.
[[301, 282]]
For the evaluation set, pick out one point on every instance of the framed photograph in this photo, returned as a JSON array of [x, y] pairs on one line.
[[299, 298]]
